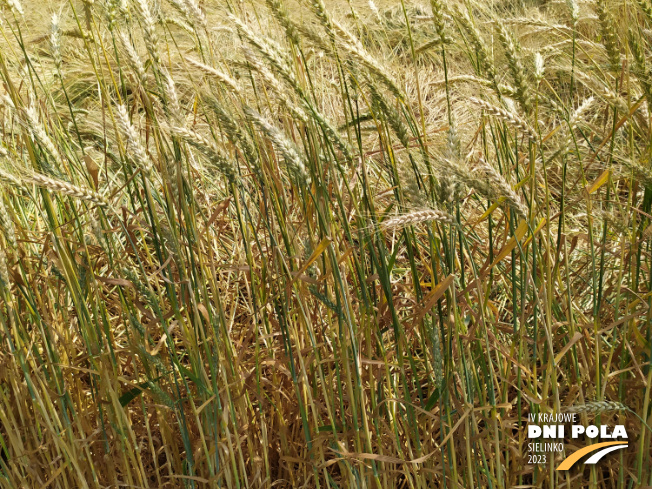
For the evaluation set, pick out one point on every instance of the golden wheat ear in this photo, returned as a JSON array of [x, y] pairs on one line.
[[596, 407], [65, 188], [427, 215]]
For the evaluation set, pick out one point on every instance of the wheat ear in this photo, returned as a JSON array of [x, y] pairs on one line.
[[140, 156], [206, 148], [149, 30], [516, 69], [417, 217], [15, 6], [493, 183], [282, 144], [217, 74], [134, 59], [507, 116], [7, 225], [597, 407], [66, 188], [4, 271]]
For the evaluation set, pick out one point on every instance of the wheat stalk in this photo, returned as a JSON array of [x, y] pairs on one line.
[[319, 9], [354, 47], [645, 8], [580, 112], [275, 84], [174, 107], [393, 117], [574, 10], [231, 127], [437, 8], [500, 88], [268, 49], [181, 7]]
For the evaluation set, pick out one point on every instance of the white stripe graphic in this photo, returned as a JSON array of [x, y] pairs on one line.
[[595, 458]]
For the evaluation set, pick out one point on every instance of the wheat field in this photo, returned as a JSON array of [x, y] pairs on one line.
[[310, 244]]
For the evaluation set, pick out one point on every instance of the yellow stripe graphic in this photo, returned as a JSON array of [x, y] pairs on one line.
[[571, 459]]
